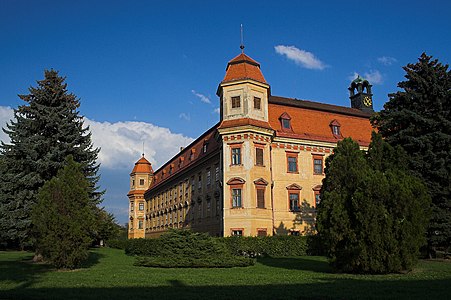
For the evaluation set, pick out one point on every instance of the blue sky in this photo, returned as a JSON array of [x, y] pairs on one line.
[[148, 70]]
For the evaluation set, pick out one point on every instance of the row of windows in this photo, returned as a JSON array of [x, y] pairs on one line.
[[292, 159], [236, 102], [294, 203], [240, 232]]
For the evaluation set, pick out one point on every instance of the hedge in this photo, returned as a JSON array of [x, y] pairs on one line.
[[221, 261]]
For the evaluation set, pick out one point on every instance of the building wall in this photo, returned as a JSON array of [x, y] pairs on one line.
[[139, 183], [191, 199]]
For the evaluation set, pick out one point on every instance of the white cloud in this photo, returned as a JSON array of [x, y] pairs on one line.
[[217, 110], [186, 117], [202, 98], [387, 60], [121, 142], [373, 76], [301, 57], [6, 114]]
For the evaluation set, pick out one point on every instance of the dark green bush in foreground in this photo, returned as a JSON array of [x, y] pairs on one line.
[[275, 246], [183, 248]]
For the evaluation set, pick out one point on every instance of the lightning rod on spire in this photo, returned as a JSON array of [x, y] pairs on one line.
[[143, 148], [242, 40]]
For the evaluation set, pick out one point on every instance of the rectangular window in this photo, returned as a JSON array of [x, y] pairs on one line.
[[236, 156], [259, 156], [257, 103], [318, 166], [317, 198], [237, 232], [132, 206], [236, 102], [260, 198], [141, 206], [336, 130], [216, 173], [294, 202], [292, 161], [140, 224], [261, 232], [208, 177], [141, 182], [236, 197]]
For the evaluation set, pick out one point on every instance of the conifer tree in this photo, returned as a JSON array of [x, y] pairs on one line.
[[63, 218], [45, 131], [373, 213], [418, 119]]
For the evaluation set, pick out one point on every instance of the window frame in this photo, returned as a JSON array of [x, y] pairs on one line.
[[233, 231], [259, 103], [262, 149], [234, 102], [141, 204], [297, 194], [265, 230], [233, 161], [240, 194], [295, 156], [315, 158], [261, 189]]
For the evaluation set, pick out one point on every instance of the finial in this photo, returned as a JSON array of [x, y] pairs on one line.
[[242, 40], [143, 148]]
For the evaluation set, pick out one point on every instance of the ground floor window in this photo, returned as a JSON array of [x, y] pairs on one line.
[[237, 232], [262, 232]]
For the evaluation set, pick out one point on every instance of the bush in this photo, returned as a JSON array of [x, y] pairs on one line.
[[183, 248], [117, 244], [275, 246]]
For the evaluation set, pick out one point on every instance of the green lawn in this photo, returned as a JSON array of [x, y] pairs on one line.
[[110, 274]]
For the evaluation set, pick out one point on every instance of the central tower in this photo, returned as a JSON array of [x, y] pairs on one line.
[[244, 91]]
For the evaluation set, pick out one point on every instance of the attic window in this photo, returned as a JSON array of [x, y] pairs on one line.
[[335, 126], [257, 103], [285, 121]]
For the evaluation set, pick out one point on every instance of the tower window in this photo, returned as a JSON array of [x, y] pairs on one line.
[[259, 156], [236, 156], [141, 206], [236, 102], [257, 103]]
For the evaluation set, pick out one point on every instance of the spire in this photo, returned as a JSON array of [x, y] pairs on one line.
[[242, 40]]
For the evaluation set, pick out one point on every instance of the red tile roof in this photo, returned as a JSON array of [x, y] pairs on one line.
[[243, 122], [182, 161], [243, 67], [312, 120], [142, 166]]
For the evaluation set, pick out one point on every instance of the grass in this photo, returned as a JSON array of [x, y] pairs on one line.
[[110, 274]]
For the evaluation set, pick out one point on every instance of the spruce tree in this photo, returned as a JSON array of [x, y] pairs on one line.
[[63, 218], [45, 131], [418, 119]]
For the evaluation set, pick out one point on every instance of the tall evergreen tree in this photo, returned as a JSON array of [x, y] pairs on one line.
[[45, 131], [373, 213], [63, 218], [418, 119]]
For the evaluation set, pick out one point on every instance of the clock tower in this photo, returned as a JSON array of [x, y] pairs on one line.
[[360, 95]]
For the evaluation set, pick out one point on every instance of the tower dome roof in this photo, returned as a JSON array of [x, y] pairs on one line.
[[143, 166], [243, 67]]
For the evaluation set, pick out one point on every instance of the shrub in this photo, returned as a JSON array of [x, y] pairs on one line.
[[222, 261], [275, 246], [117, 244]]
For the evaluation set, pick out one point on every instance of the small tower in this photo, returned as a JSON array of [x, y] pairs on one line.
[[140, 179], [360, 95]]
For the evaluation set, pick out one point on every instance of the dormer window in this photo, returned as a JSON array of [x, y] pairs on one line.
[[335, 126], [285, 121], [236, 102], [257, 103]]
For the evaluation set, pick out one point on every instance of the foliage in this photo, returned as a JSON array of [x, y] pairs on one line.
[[183, 248], [110, 274], [418, 118], [117, 243], [63, 218], [45, 131], [274, 246], [372, 214], [106, 226]]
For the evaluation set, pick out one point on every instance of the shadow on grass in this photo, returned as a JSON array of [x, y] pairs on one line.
[[297, 263], [319, 289]]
